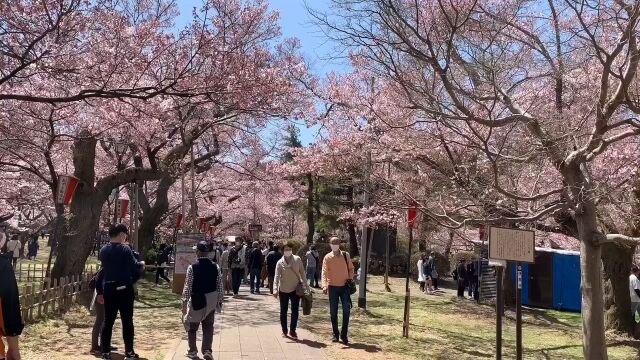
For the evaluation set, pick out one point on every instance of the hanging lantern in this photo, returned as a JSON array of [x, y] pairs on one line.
[[413, 213], [123, 206], [178, 220], [66, 188]]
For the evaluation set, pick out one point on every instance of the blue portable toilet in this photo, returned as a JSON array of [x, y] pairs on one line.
[[553, 281]]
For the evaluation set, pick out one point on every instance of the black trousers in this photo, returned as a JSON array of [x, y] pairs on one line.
[[236, 278], [117, 301], [284, 309], [461, 286], [160, 273]]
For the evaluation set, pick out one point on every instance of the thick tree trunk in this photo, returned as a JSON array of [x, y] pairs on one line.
[[153, 216], [616, 261], [76, 243], [353, 240], [310, 208], [594, 344]]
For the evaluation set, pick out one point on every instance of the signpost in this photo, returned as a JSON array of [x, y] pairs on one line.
[[185, 256], [512, 245], [412, 213], [254, 231]]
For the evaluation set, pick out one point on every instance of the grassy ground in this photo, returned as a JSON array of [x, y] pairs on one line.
[[38, 266], [444, 328], [157, 326]]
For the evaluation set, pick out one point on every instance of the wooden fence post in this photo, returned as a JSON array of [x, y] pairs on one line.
[[40, 301]]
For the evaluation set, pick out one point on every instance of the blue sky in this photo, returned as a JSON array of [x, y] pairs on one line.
[[296, 22]]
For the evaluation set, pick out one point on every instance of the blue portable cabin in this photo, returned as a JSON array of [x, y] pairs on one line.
[[553, 281]]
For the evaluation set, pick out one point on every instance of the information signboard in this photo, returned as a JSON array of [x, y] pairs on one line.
[[511, 244], [185, 255]]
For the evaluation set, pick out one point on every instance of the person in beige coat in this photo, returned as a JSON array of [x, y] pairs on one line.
[[289, 270]]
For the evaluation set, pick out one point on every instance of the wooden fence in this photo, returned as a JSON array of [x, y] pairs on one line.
[[52, 297], [26, 272]]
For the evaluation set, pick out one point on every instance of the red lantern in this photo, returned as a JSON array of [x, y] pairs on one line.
[[66, 188], [178, 220], [123, 206], [413, 213], [481, 232], [211, 230]]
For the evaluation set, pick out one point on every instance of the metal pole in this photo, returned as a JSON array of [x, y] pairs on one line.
[[407, 295], [499, 312], [364, 259], [193, 193], [132, 227], [519, 313], [386, 264], [136, 215], [115, 205]]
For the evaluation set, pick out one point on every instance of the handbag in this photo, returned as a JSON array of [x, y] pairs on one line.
[[350, 284], [301, 289]]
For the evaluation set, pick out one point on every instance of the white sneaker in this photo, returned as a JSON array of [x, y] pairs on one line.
[[207, 355], [191, 354]]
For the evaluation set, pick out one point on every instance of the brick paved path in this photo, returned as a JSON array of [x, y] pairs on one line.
[[249, 329]]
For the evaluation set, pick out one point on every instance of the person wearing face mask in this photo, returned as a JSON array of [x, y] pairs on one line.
[[337, 268], [289, 270]]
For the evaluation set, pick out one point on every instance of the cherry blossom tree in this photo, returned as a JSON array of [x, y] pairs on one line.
[[522, 98]]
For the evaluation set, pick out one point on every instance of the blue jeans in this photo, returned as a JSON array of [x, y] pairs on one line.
[[236, 279], [341, 294], [254, 279]]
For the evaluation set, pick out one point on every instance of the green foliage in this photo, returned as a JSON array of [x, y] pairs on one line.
[[466, 255], [295, 244], [327, 223], [291, 140], [151, 256]]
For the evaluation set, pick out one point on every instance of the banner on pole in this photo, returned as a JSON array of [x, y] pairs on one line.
[[66, 188], [123, 206], [413, 213]]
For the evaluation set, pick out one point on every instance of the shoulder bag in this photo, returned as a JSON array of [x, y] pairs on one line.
[[349, 283]]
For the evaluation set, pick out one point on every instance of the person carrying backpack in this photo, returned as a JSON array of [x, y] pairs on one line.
[[255, 267], [237, 264], [116, 289]]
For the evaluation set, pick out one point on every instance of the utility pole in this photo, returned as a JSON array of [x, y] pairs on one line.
[[364, 258], [193, 194]]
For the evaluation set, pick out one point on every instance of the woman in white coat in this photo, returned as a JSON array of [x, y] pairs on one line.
[[421, 279]]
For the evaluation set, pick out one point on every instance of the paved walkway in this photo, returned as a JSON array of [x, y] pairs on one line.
[[249, 329]]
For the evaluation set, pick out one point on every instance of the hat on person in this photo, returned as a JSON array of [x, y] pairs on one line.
[[202, 246]]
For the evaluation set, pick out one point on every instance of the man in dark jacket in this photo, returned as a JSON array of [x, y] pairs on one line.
[[115, 289], [11, 325], [461, 276], [272, 259], [255, 266], [161, 262]]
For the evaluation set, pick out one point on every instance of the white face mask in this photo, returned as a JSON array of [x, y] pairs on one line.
[[335, 247], [288, 253]]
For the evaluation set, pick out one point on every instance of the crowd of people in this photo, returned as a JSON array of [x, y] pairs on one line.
[[219, 270]]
